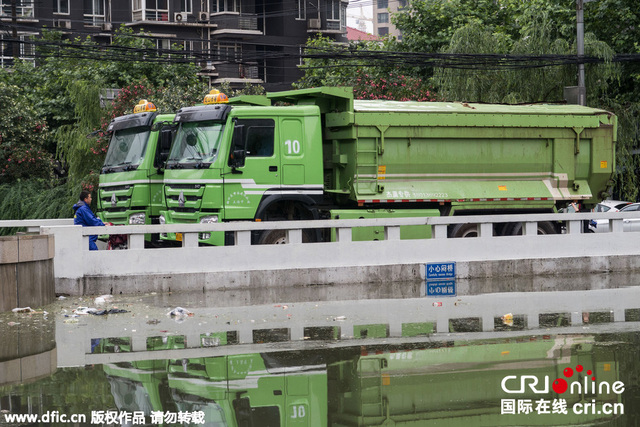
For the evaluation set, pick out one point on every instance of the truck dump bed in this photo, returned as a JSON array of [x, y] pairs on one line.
[[469, 155]]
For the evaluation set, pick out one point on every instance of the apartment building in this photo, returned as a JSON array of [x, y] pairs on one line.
[[382, 10], [235, 41]]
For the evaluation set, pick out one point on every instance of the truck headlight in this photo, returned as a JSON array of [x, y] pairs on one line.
[[211, 219], [137, 219]]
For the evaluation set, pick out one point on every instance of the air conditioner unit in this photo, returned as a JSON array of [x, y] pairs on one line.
[[203, 16], [106, 26], [62, 23], [314, 24], [180, 17]]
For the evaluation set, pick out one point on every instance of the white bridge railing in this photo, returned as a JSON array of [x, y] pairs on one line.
[[190, 267], [242, 230]]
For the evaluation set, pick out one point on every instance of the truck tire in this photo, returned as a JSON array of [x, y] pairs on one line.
[[464, 230], [279, 237], [544, 227]]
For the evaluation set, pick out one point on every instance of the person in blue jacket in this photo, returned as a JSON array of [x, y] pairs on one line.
[[85, 217]]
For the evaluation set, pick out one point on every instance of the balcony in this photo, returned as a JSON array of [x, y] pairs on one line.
[[236, 23], [237, 73]]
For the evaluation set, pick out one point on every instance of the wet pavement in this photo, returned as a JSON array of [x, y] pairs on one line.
[[348, 355]]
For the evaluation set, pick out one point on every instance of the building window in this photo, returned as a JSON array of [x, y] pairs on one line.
[[302, 9], [225, 6], [94, 12], [186, 6], [383, 31], [26, 50], [228, 52], [343, 16], [163, 45], [383, 18], [61, 6], [24, 8], [383, 4], [333, 10], [150, 10], [402, 4]]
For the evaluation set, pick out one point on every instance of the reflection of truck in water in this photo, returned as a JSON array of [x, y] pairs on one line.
[[131, 178], [237, 390], [330, 156], [252, 389], [462, 384], [445, 384]]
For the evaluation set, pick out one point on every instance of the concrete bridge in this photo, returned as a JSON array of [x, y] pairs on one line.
[[243, 265]]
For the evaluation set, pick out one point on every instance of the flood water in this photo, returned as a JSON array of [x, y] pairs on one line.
[[348, 355]]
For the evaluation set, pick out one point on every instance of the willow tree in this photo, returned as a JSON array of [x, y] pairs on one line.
[[521, 70]]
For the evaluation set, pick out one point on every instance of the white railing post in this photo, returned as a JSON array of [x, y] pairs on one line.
[[485, 229], [616, 226], [343, 234], [242, 238], [530, 228], [70, 247], [136, 241], [439, 231], [392, 232], [190, 240], [294, 235], [574, 227]]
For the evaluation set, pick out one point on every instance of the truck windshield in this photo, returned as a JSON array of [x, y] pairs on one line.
[[126, 149], [196, 144]]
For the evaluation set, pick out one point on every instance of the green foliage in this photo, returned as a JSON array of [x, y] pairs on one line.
[[532, 84], [626, 179], [428, 25], [370, 81], [34, 198], [22, 136], [73, 145], [67, 390]]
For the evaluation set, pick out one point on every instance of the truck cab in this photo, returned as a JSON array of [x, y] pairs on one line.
[[131, 178], [241, 162]]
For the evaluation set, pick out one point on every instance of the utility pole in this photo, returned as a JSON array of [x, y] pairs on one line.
[[15, 46], [582, 90]]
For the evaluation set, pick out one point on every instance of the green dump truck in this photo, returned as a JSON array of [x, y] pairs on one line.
[[325, 155], [131, 179], [476, 383], [235, 390], [494, 382]]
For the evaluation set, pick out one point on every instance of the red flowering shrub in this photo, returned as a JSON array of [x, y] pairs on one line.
[[396, 87]]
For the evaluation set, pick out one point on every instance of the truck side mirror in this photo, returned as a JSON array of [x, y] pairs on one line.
[[164, 146], [238, 150], [236, 160]]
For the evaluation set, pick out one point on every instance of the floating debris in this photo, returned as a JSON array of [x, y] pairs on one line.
[[24, 310], [103, 299], [180, 312]]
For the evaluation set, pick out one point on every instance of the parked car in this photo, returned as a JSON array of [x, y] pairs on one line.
[[602, 225]]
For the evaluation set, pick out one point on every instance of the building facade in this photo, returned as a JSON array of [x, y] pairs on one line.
[[382, 10], [234, 41]]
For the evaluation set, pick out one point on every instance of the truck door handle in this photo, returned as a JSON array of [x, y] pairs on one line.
[[273, 169]]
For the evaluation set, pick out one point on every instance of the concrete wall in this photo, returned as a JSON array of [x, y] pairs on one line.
[[81, 272], [26, 271], [27, 352]]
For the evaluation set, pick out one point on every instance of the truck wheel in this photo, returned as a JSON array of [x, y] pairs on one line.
[[544, 227], [465, 230], [279, 237]]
